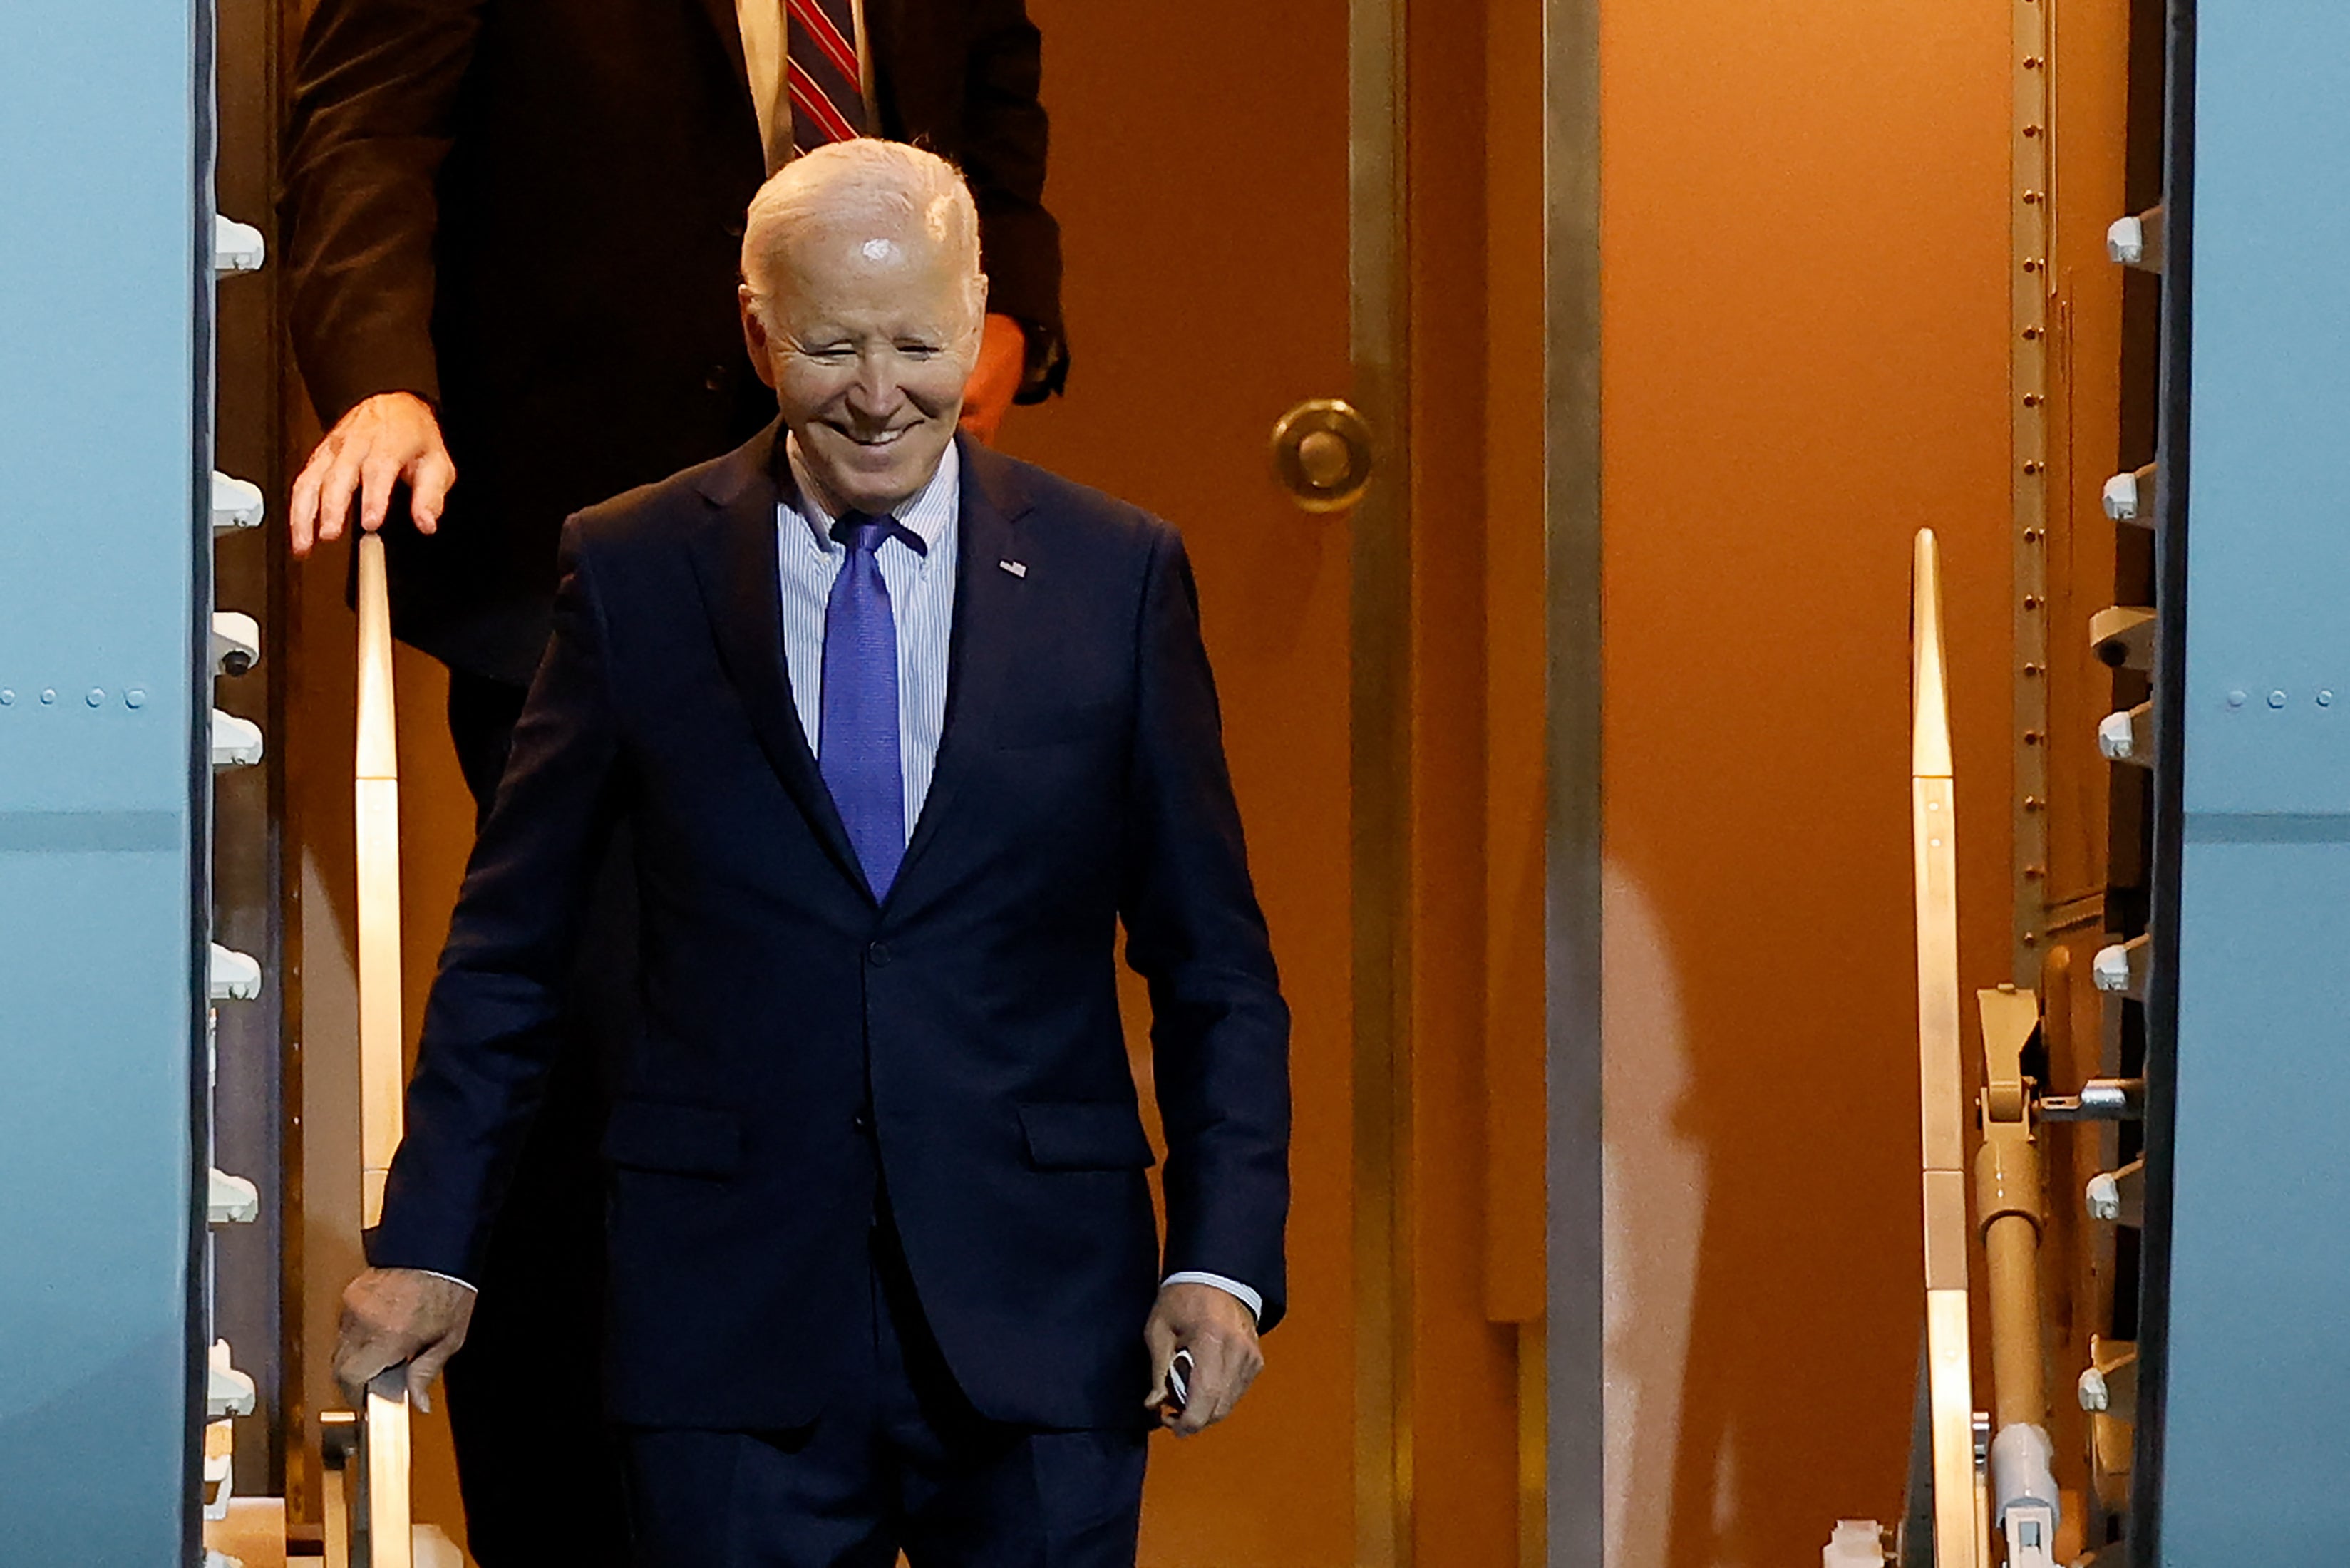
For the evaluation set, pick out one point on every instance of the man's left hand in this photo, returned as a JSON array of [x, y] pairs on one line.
[[1002, 361], [1219, 1332]]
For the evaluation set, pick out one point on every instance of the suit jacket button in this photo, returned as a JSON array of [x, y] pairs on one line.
[[861, 1122], [716, 379], [877, 955]]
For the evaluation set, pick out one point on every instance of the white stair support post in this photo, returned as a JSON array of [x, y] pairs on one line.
[[2137, 241], [236, 643], [2118, 1197], [1856, 1544], [236, 503], [2109, 1386], [236, 742], [237, 247], [2129, 497], [2024, 1499], [230, 1200], [234, 976], [227, 1391], [2128, 737], [2123, 969]]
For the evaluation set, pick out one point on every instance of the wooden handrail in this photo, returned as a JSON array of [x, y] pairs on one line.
[[380, 1515], [1961, 1535]]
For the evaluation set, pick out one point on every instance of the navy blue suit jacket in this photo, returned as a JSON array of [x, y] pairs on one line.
[[803, 1048]]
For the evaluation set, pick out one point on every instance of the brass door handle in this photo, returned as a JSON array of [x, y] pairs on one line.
[[1322, 454]]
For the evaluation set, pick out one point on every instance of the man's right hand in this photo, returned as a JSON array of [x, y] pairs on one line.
[[393, 1317], [390, 439]]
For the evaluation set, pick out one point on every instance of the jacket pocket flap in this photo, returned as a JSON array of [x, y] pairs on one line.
[[1079, 1135], [685, 1140]]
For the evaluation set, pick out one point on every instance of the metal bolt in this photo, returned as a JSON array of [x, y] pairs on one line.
[[2031, 399], [2034, 465], [2031, 536], [2325, 698], [97, 698], [2030, 198], [2235, 699], [2276, 698], [2031, 131], [2031, 264], [136, 697], [2032, 334], [8, 698], [2032, 62], [2032, 803], [2032, 669], [2031, 601], [2031, 737], [2033, 873], [2031, 939], [48, 696]]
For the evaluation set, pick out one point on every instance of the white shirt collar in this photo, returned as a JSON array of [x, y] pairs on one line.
[[926, 513]]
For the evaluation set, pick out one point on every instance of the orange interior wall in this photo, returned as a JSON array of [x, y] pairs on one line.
[[1804, 239]]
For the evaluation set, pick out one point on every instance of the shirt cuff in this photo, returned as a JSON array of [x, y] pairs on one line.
[[452, 1279], [1247, 1297]]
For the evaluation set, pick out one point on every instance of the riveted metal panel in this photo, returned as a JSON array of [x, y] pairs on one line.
[[2241, 1384], [105, 284]]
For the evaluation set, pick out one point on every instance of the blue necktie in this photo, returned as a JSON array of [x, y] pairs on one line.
[[856, 735]]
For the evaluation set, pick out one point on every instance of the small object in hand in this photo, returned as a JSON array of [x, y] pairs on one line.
[[1178, 1381]]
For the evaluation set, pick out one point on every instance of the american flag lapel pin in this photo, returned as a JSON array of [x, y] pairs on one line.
[[1017, 568]]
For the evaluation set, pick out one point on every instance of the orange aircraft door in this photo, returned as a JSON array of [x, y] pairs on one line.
[[1199, 173]]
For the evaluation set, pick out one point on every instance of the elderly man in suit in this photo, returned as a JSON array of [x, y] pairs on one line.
[[904, 732], [512, 230]]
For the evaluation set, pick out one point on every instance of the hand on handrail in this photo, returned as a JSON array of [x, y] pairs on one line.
[[401, 1317], [389, 440]]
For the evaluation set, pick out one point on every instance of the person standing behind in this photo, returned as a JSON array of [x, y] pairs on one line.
[[513, 229]]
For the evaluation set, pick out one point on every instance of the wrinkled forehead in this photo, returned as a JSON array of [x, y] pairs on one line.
[[855, 232], [861, 228], [873, 263]]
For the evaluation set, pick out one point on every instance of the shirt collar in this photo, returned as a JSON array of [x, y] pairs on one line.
[[926, 513]]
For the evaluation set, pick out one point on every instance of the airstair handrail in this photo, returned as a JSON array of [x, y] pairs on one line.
[[1961, 1538], [369, 1448]]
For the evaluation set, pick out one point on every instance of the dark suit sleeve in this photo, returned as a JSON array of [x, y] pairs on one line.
[[375, 93], [1003, 146], [1220, 1030], [490, 1029]]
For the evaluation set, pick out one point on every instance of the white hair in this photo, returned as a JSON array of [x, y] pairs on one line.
[[865, 178]]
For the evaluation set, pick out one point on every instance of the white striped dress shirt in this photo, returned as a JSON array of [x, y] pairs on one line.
[[922, 602]]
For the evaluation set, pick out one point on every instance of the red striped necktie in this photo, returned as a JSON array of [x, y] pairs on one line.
[[828, 90]]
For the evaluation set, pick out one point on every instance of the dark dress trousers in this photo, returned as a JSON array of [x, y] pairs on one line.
[[530, 214], [898, 1461], [948, 1065]]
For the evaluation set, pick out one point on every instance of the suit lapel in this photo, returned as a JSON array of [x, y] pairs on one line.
[[987, 610], [734, 561]]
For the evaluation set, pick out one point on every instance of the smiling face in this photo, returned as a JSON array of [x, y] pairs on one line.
[[866, 328]]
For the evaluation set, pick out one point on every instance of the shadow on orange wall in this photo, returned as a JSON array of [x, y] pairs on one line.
[[1804, 238]]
